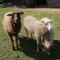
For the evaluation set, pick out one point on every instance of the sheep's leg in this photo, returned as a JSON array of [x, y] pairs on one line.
[[31, 36], [12, 42], [37, 46], [26, 32], [36, 37], [17, 42]]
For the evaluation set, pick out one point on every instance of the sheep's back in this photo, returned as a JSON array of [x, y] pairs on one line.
[[29, 23]]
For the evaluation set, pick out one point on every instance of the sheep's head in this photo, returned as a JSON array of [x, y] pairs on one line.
[[48, 23], [16, 16]]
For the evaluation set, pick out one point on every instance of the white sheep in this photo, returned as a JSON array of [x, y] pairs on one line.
[[36, 27], [12, 25], [48, 37]]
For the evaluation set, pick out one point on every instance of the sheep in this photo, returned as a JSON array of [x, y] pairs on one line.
[[38, 28], [12, 26], [48, 37]]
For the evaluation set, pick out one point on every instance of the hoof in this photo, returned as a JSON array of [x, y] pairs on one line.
[[19, 49]]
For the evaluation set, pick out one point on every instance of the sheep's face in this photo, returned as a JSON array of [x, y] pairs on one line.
[[16, 16], [48, 23]]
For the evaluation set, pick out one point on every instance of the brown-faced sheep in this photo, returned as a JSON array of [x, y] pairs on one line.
[[36, 27], [12, 25]]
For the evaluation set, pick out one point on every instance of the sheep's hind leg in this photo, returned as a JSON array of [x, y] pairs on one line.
[[37, 49], [26, 32]]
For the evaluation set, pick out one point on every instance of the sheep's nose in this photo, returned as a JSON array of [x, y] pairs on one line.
[[50, 29]]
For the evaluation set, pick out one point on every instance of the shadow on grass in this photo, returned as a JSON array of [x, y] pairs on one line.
[[28, 46], [55, 52]]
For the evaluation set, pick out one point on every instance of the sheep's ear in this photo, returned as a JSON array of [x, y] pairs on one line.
[[9, 15], [21, 13]]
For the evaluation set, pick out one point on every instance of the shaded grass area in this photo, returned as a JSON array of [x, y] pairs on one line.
[[27, 44]]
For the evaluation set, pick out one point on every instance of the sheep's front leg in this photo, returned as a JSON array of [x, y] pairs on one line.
[[31, 35], [37, 46], [37, 39], [12, 42], [17, 41]]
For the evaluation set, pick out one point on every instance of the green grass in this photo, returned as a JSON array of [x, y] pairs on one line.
[[6, 52]]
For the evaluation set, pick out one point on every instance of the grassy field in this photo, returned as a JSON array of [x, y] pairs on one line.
[[6, 52]]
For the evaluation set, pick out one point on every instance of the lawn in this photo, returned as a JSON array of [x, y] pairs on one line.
[[6, 52]]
